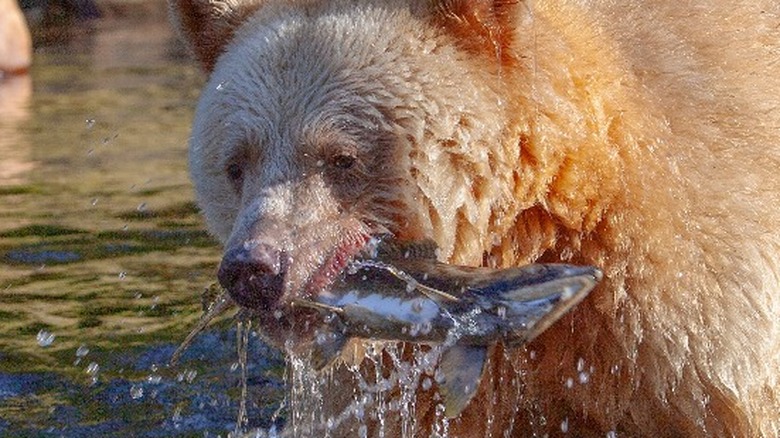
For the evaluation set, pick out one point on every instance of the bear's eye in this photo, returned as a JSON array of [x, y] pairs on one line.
[[235, 173], [343, 161]]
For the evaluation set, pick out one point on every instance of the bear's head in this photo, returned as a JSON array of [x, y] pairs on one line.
[[325, 123]]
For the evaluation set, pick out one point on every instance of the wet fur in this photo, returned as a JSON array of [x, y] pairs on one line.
[[640, 137]]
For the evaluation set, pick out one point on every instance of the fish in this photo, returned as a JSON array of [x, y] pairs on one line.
[[403, 293], [399, 291]]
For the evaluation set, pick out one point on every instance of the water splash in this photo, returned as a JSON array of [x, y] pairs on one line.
[[45, 338], [80, 353], [305, 400], [136, 391]]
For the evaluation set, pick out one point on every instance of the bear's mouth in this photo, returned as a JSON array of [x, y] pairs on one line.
[[335, 262], [266, 275]]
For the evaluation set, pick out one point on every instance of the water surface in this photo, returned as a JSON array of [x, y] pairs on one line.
[[103, 254]]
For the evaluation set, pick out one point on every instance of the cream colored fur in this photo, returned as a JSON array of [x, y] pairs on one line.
[[640, 137]]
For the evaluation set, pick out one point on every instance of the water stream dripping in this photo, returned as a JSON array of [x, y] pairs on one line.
[[383, 403], [305, 400], [243, 329]]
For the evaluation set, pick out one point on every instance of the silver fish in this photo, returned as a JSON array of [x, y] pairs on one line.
[[415, 298], [400, 292]]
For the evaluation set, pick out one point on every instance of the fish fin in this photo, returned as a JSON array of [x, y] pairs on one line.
[[318, 306], [436, 294], [534, 307], [326, 347], [462, 368]]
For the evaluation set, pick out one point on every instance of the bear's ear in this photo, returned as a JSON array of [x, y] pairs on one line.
[[480, 26], [207, 26]]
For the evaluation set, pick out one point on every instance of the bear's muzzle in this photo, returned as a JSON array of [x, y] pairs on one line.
[[253, 273]]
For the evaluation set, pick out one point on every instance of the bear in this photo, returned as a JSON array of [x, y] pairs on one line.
[[642, 138]]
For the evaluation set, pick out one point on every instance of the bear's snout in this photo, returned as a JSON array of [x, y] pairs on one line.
[[253, 274]]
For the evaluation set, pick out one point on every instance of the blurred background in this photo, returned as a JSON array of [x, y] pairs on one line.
[[103, 254]]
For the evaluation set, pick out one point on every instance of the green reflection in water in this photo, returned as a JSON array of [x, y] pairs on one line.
[[100, 239], [100, 242]]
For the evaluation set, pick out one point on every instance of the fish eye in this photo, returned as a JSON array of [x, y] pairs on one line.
[[343, 161]]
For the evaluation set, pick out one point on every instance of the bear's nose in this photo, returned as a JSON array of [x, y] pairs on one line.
[[253, 274]]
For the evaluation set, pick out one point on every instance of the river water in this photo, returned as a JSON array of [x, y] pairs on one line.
[[103, 254]]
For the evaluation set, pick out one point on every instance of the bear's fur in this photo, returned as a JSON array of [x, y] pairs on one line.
[[640, 137]]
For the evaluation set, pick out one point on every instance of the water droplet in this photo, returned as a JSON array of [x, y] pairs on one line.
[[92, 371], [176, 417], [80, 353], [439, 376], [569, 383], [45, 338], [136, 391], [107, 140], [190, 375], [580, 364], [427, 383], [321, 338], [611, 434], [154, 379], [584, 377], [565, 425]]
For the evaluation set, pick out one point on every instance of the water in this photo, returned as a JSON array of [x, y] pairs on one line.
[[103, 255]]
